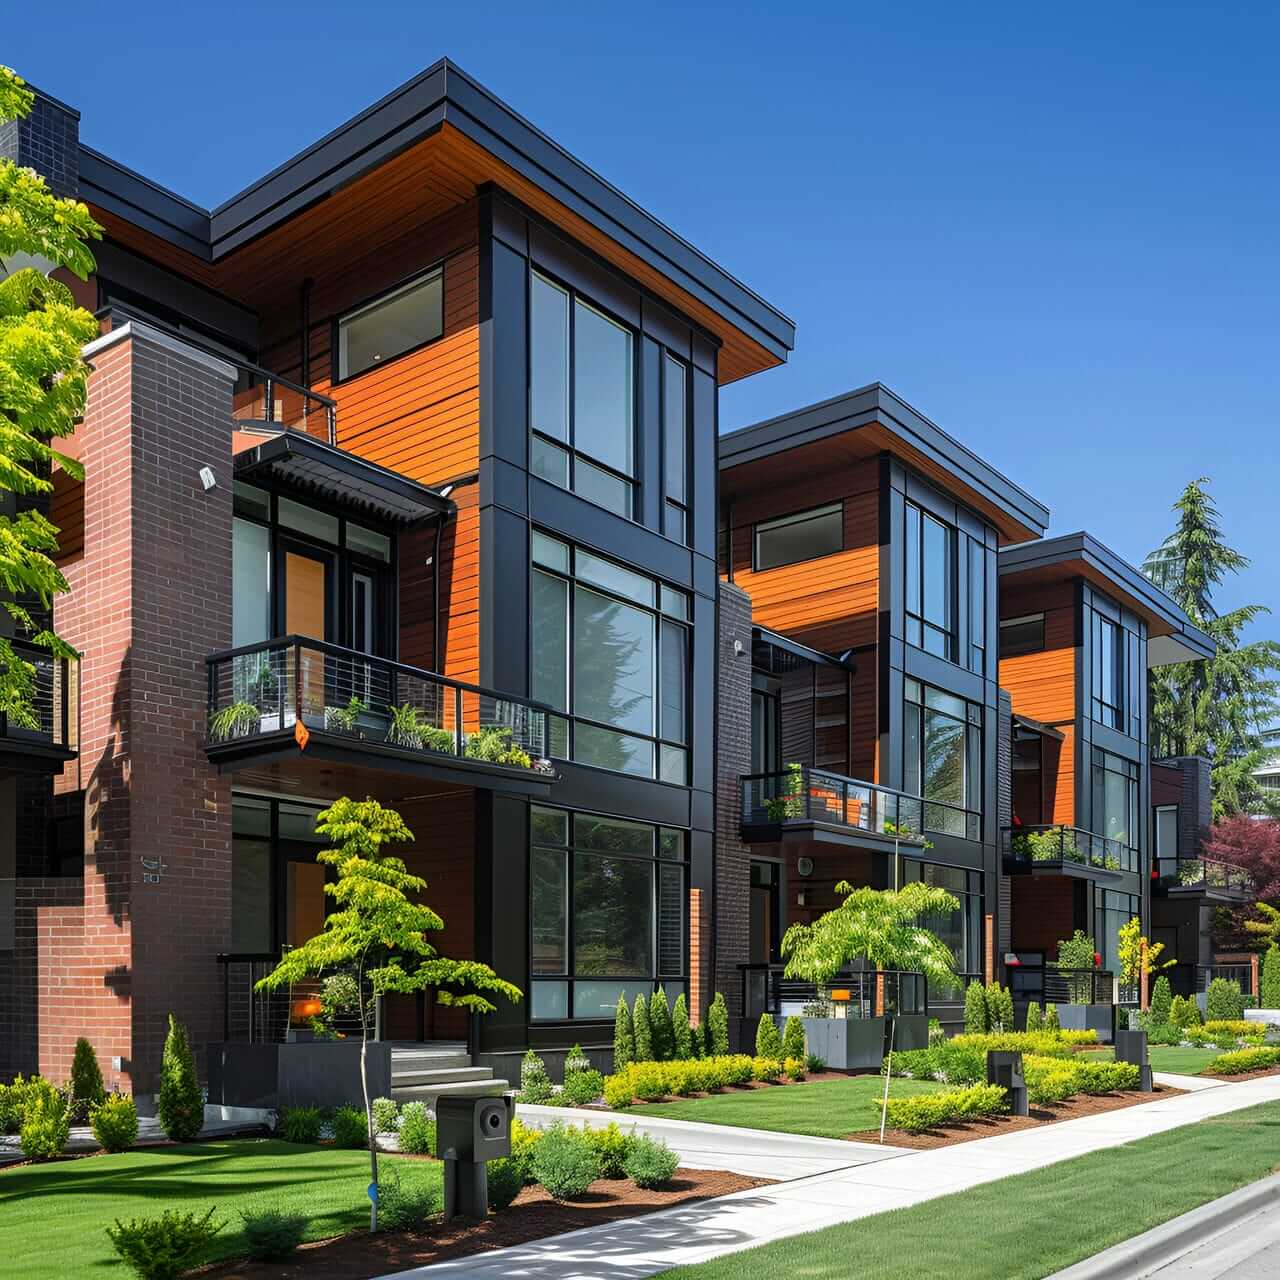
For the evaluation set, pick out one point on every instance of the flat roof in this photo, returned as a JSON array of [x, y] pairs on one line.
[[1018, 514], [1172, 636], [442, 94]]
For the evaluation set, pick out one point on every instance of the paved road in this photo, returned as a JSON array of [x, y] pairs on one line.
[[1249, 1250]]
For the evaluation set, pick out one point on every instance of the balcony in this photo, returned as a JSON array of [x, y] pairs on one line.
[[44, 739], [264, 401], [803, 804], [1066, 851], [1210, 878], [295, 698]]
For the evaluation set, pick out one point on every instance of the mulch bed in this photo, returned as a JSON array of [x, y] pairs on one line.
[[1243, 1075], [814, 1077], [992, 1126], [533, 1216]]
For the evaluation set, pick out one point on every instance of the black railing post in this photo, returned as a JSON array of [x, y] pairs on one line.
[[457, 722]]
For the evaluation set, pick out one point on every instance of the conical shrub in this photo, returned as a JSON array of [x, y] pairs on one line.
[[180, 1106]]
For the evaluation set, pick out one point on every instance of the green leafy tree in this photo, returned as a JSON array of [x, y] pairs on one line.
[[975, 1009], [43, 387], [624, 1036], [1132, 948], [644, 1033], [1216, 707], [681, 1032], [1270, 983], [768, 1038], [660, 1028], [1265, 932], [717, 1027], [180, 1105], [380, 933], [87, 1089]]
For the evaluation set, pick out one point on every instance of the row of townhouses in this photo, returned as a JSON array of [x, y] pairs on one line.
[[404, 479]]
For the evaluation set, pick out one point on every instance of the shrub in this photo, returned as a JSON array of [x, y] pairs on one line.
[[300, 1125], [643, 1030], [386, 1114], [524, 1142], [651, 1080], [950, 1062], [1106, 1077], [624, 1036], [793, 1038], [582, 1087], [1051, 1044], [272, 1233], [697, 1041], [768, 1038], [936, 1033], [1224, 1002], [12, 1099], [650, 1164], [611, 1146], [660, 1028], [813, 1063], [404, 1207], [1050, 1081], [115, 1123], [1269, 986], [87, 1089], [350, 1128], [46, 1121], [975, 1009], [1035, 1020], [928, 1110], [506, 1179], [1161, 1002], [417, 1130], [766, 1070], [1242, 1027], [794, 1068], [1051, 1022], [180, 1105], [999, 1007], [682, 1045], [535, 1084], [1184, 1012], [1242, 1060], [717, 1028], [164, 1247], [565, 1163], [618, 1092], [1166, 1035]]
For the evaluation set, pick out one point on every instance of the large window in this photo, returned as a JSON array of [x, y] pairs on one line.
[[581, 397], [1115, 659], [803, 536], [1115, 798], [608, 912], [277, 886], [1112, 911], [675, 448], [942, 759], [1021, 635], [399, 321], [930, 557], [961, 929], [611, 651]]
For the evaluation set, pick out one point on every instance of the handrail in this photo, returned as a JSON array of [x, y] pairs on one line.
[[1053, 983], [53, 704], [1061, 842], [805, 792], [765, 988], [1204, 870]]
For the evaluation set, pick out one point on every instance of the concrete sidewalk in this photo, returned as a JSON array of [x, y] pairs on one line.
[[638, 1247]]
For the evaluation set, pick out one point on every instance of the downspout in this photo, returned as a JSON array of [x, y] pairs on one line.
[[435, 596]]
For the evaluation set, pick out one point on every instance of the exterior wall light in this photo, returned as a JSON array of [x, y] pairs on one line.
[[207, 478]]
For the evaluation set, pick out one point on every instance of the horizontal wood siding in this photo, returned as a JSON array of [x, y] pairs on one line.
[[1042, 685]]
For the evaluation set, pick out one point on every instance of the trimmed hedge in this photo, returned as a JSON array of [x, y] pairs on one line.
[[649, 1081], [928, 1110], [1242, 1060]]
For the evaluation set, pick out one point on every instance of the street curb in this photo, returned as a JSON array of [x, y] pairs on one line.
[[1170, 1240]]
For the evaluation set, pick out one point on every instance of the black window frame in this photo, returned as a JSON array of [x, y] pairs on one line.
[[1015, 649], [684, 504], [920, 514], [338, 379], [972, 816], [835, 507]]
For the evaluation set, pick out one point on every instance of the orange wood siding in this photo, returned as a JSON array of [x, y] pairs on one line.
[[1042, 685], [832, 602]]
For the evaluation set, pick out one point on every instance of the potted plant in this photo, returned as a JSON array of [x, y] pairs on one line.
[[789, 802], [879, 928]]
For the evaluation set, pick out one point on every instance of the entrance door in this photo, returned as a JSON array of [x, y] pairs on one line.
[[765, 913], [308, 611]]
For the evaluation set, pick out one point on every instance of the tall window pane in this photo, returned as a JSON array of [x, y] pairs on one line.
[[937, 577], [673, 682], [250, 895], [943, 758], [613, 668], [550, 678], [673, 425], [549, 357], [612, 916], [911, 749], [602, 389], [549, 900], [671, 926], [250, 583], [912, 556]]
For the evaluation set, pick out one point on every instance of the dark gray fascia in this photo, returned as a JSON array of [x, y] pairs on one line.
[[876, 403], [1068, 547]]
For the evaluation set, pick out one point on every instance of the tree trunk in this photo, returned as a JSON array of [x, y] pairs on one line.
[[368, 1105]]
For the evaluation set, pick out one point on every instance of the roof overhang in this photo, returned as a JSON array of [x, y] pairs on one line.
[[798, 650], [1172, 636], [444, 107], [1038, 728], [320, 472], [869, 421]]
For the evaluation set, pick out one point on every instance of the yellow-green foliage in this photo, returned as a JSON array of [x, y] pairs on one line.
[[1055, 1079], [928, 1110], [649, 1081], [1051, 1044], [766, 1070], [1242, 1060]]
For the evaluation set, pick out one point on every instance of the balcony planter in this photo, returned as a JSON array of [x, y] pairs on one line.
[[1088, 1017], [299, 1073]]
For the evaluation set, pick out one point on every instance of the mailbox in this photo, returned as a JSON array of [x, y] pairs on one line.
[[1131, 1047], [1005, 1069], [469, 1131]]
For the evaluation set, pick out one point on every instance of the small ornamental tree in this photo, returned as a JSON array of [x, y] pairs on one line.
[[999, 1002], [180, 1105], [768, 1039], [1270, 984], [1161, 1003], [1034, 1019], [643, 1032], [717, 1027], [87, 1089], [793, 1045], [1133, 949], [681, 1032], [44, 383], [660, 1028], [975, 1009], [380, 933], [1264, 932], [624, 1036]]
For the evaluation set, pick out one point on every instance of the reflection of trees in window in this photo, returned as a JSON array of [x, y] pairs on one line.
[[548, 895], [613, 916], [943, 758]]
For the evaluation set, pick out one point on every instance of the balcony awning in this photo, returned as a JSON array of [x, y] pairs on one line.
[[795, 649], [310, 468], [1038, 727]]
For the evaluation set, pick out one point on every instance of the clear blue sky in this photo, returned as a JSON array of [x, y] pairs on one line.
[[1054, 229]]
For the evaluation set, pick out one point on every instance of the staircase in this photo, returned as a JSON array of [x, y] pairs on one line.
[[422, 1072]]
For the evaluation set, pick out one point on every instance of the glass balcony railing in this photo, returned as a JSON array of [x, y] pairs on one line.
[[1068, 845], [1203, 873], [298, 687], [802, 793]]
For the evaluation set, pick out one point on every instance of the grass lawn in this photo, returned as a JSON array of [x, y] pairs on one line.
[[54, 1215], [827, 1109], [1031, 1225], [1181, 1060]]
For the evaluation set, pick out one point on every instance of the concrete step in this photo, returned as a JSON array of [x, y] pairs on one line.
[[439, 1075], [462, 1088], [430, 1062]]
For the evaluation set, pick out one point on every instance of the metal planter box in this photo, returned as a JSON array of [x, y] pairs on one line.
[[300, 1073], [1088, 1017], [847, 1044]]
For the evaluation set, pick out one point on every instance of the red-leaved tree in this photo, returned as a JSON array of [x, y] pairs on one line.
[[1254, 844]]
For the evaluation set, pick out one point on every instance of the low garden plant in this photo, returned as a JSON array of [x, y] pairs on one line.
[[417, 1130], [506, 1180], [611, 1146], [163, 1248], [350, 1128], [928, 1110], [524, 1142], [565, 1163], [1240, 1061], [1224, 1001], [114, 1122], [386, 1115], [535, 1083], [46, 1120], [300, 1125], [649, 1081], [272, 1233], [650, 1163], [406, 1206]]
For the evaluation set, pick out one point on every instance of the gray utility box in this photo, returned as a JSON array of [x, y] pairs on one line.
[[1131, 1047], [859, 1044], [470, 1131], [1005, 1069], [1088, 1017]]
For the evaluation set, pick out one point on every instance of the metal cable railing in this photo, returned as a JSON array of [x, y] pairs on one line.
[[1069, 844], [860, 993], [816, 795]]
